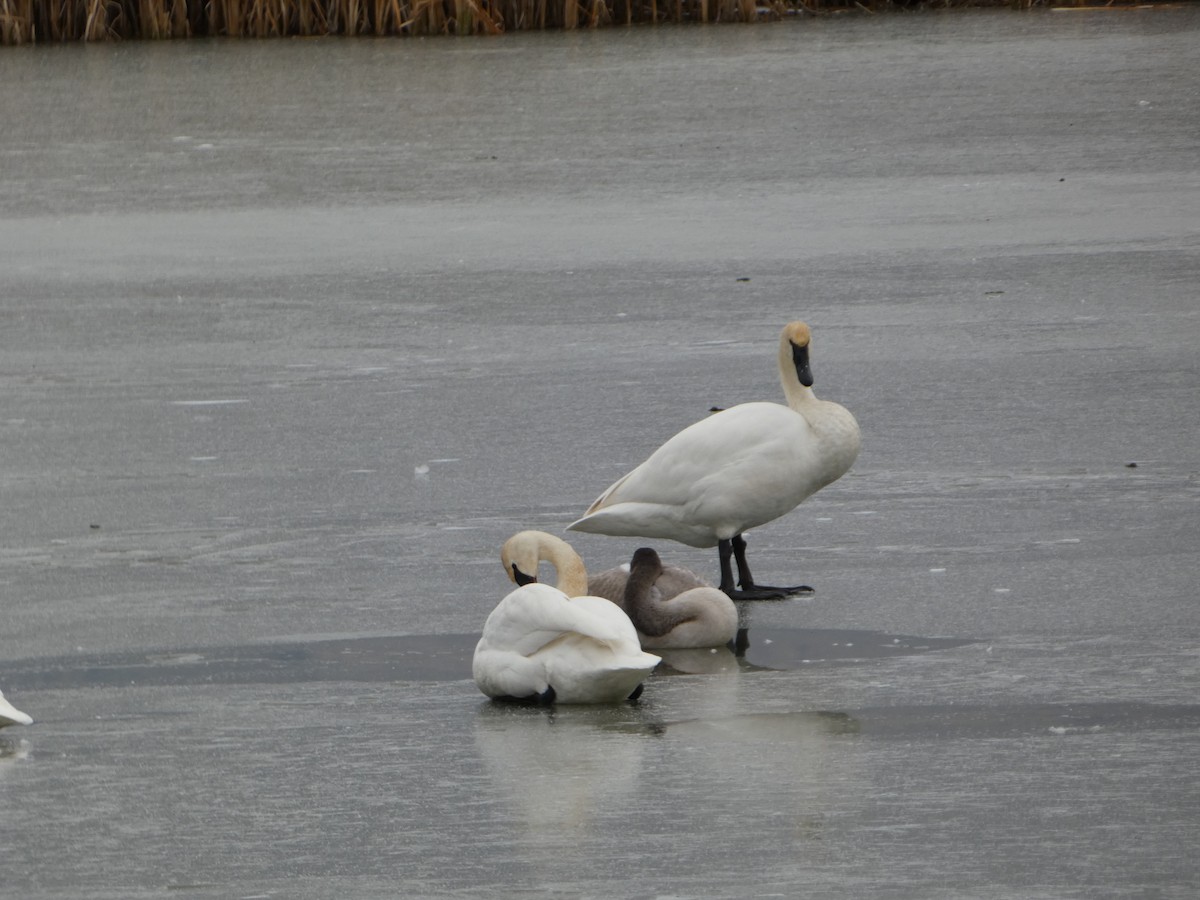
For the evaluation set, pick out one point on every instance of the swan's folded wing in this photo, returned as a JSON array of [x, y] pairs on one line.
[[704, 450], [534, 615], [503, 673], [609, 584], [674, 580]]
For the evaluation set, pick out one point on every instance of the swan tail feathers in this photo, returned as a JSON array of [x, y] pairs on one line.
[[600, 502], [645, 520]]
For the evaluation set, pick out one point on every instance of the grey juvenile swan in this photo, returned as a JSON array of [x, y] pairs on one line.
[[671, 607]]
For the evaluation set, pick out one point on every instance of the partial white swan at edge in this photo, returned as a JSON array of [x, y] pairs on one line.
[[10, 715]]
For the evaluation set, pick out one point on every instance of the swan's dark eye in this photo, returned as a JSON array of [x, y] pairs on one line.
[[521, 578]]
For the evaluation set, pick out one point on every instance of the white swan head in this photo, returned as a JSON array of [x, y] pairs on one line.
[[522, 553]]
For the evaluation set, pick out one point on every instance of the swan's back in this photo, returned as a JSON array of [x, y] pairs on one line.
[[585, 648], [712, 621], [679, 609], [740, 468], [610, 584]]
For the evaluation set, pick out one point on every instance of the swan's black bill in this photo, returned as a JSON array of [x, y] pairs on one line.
[[800, 360]]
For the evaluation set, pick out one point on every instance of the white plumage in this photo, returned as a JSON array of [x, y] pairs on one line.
[[740, 468], [540, 643], [10, 715]]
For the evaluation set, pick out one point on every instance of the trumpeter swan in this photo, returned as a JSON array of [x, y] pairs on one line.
[[549, 644], [10, 715], [737, 469], [669, 606]]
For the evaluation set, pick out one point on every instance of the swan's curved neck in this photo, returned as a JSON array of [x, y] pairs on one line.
[[571, 576], [647, 616], [794, 392]]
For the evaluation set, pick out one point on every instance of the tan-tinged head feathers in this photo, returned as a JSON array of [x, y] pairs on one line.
[[520, 553], [794, 371], [526, 549], [797, 333]]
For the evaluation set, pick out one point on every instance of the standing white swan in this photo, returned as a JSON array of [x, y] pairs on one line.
[[740, 468], [547, 644], [10, 715], [671, 607]]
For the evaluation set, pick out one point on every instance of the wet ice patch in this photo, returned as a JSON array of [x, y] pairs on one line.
[[1045, 720], [794, 648], [435, 657], [221, 402]]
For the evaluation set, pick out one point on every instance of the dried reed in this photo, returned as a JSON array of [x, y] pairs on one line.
[[26, 21], [16, 21]]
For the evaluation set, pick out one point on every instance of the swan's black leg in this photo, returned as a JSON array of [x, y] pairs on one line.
[[736, 547], [740, 643], [727, 549], [546, 697], [637, 691], [725, 552]]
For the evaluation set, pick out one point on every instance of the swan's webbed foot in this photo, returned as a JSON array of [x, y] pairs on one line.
[[759, 592], [769, 592], [546, 697], [637, 692], [734, 550]]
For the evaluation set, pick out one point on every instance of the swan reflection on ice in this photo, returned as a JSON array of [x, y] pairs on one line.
[[561, 770]]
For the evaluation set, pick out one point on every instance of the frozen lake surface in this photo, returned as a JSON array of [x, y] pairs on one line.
[[296, 333]]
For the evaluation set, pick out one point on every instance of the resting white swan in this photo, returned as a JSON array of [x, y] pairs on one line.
[[739, 468], [547, 644], [669, 606], [10, 715]]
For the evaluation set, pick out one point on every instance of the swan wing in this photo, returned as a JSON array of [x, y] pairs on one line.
[[674, 580], [505, 673], [583, 669], [726, 441], [535, 615], [585, 648], [699, 617], [610, 584], [736, 469]]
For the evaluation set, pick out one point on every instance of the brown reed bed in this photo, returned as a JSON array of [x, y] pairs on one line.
[[43, 21]]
